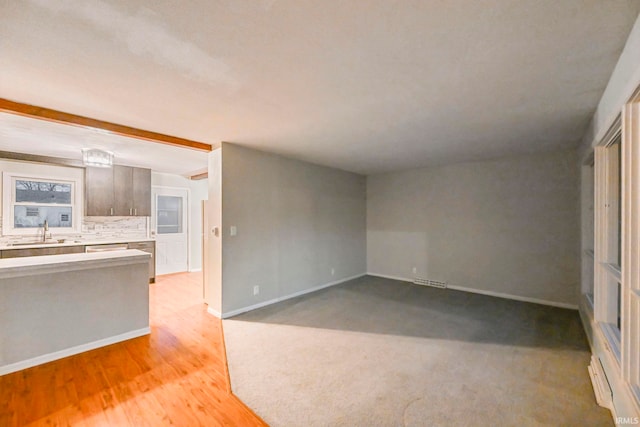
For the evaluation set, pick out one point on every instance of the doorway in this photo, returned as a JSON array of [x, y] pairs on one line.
[[170, 221]]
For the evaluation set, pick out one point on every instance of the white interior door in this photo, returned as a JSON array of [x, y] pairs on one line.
[[171, 224]]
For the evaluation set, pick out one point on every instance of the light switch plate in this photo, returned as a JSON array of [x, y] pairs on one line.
[[233, 230]]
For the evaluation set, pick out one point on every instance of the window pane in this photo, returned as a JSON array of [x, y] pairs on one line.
[[588, 226], [619, 225], [169, 214], [613, 205], [34, 216], [590, 205], [619, 306], [43, 192], [590, 279]]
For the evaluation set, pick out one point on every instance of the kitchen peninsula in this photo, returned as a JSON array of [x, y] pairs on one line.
[[32, 248], [53, 306]]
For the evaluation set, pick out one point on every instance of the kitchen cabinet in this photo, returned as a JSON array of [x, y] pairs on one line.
[[98, 190], [117, 191], [149, 247], [122, 191], [18, 253], [141, 192]]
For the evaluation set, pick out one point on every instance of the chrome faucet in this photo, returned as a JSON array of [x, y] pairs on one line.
[[45, 230]]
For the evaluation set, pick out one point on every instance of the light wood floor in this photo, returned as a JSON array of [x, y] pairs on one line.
[[176, 376]]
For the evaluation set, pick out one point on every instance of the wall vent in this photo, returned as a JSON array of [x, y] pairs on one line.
[[428, 282]]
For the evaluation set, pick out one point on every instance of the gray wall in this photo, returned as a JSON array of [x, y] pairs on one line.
[[509, 226], [295, 222]]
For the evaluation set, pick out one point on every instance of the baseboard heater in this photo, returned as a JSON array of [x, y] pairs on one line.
[[429, 282], [601, 388]]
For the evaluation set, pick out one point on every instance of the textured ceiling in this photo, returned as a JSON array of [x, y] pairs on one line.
[[366, 86]]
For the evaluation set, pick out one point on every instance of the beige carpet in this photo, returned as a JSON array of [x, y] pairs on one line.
[[378, 352]]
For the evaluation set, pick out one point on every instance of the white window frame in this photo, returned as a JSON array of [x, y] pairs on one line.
[[626, 343], [607, 271], [9, 203], [588, 229], [631, 245]]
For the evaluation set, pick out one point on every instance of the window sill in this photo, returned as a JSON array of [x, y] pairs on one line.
[[613, 269]]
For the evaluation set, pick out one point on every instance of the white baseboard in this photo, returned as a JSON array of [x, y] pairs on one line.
[[286, 297], [515, 297], [45, 358], [194, 270], [213, 312], [385, 276], [490, 293], [253, 307]]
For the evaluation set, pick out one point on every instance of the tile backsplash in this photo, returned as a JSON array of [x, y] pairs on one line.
[[108, 227], [94, 228]]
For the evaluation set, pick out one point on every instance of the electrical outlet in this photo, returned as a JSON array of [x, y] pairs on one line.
[[256, 290], [333, 271], [415, 270]]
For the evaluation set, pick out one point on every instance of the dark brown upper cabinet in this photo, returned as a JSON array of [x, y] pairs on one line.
[[98, 191], [117, 191], [141, 192]]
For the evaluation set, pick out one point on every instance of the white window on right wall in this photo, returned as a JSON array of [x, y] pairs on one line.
[[608, 241], [630, 232], [617, 243], [588, 226]]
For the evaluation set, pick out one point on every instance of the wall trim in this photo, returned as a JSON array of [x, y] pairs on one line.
[[194, 270], [386, 276], [490, 293], [516, 297], [213, 312], [286, 297], [45, 358]]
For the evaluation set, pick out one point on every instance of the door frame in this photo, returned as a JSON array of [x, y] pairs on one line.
[[153, 226]]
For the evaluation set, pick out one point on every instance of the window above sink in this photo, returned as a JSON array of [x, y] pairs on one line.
[[37, 201], [32, 197]]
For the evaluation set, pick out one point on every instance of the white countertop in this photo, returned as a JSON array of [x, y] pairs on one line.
[[76, 243], [12, 267]]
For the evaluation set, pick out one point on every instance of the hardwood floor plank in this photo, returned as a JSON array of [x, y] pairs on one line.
[[176, 376]]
